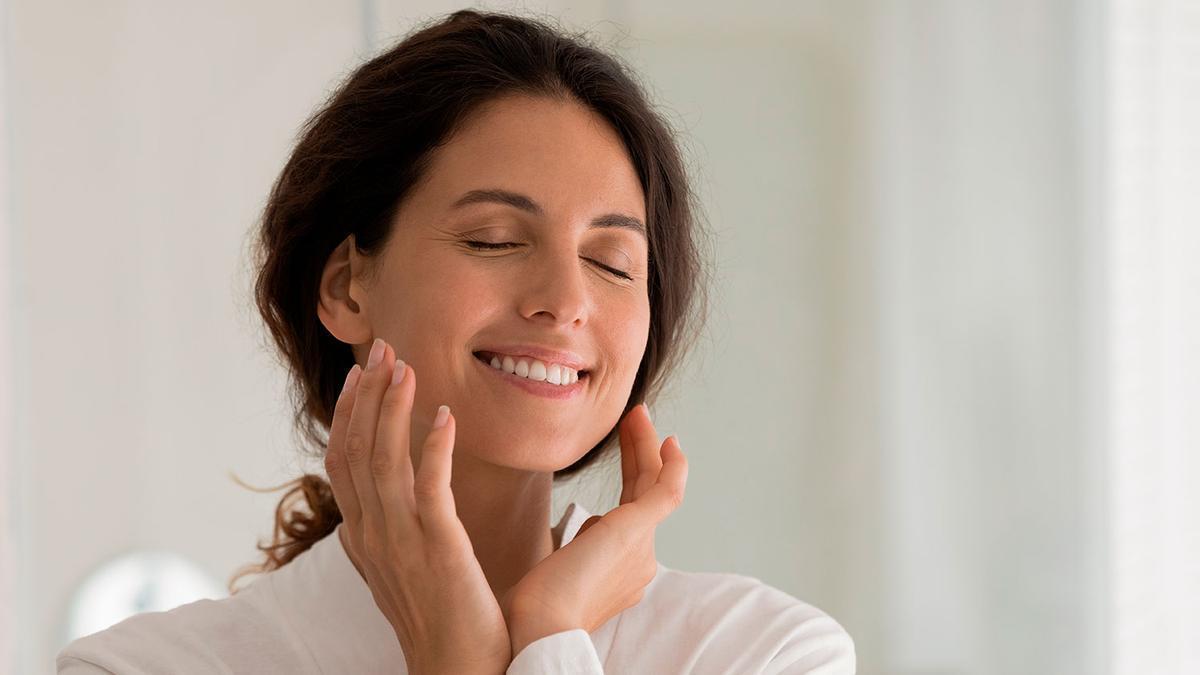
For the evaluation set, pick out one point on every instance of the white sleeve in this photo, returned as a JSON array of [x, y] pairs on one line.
[[831, 654], [570, 651], [70, 665]]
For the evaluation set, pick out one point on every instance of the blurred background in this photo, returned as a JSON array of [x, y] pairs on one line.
[[950, 388]]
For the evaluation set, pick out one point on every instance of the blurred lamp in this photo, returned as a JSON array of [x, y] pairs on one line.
[[142, 581]]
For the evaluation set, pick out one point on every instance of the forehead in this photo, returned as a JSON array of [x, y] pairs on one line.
[[561, 153]]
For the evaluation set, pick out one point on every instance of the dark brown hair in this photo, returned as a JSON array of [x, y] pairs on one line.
[[361, 153]]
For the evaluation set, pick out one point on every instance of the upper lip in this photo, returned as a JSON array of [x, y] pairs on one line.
[[545, 354]]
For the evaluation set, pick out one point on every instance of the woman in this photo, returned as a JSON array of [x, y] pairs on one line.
[[488, 223]]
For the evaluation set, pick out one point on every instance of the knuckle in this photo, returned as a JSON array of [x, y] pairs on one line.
[[333, 465], [369, 382], [425, 489], [375, 548], [382, 465], [441, 547], [356, 447], [393, 402]]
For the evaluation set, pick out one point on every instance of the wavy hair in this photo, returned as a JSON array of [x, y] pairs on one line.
[[365, 148]]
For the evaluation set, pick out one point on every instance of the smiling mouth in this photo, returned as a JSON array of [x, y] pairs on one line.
[[479, 356]]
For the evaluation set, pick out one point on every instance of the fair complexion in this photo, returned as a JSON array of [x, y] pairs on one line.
[[432, 300]]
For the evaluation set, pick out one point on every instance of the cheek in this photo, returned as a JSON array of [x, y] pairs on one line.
[[638, 326], [627, 334], [437, 312], [443, 295]]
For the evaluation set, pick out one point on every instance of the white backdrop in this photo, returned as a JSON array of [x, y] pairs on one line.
[[1153, 210], [949, 235]]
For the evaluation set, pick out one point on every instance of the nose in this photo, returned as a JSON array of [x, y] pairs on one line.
[[556, 291]]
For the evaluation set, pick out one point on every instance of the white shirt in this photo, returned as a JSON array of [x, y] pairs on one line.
[[317, 615]]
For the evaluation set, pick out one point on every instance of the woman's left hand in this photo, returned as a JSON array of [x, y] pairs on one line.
[[606, 566]]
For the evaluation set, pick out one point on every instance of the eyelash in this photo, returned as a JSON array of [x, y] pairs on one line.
[[489, 246]]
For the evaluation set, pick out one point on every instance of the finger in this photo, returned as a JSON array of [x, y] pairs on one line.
[[435, 501], [646, 448], [635, 520], [391, 461], [628, 461], [360, 440], [662, 498], [342, 484], [335, 459], [338, 468]]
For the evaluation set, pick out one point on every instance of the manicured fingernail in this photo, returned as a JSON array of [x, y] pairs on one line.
[[351, 378], [442, 414], [376, 354], [398, 372]]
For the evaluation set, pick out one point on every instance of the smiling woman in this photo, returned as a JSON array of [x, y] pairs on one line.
[[479, 263]]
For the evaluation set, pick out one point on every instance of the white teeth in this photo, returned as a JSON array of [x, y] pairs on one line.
[[536, 370]]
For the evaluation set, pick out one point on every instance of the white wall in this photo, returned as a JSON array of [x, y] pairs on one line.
[[143, 139], [908, 297], [1153, 214], [991, 517], [890, 417]]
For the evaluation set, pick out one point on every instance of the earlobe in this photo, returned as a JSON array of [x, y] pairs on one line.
[[343, 316]]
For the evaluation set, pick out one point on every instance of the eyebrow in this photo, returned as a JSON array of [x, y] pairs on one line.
[[527, 204]]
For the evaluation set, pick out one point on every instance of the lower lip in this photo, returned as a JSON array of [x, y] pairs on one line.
[[544, 389]]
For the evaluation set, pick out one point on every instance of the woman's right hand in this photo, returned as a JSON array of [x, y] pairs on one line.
[[403, 533]]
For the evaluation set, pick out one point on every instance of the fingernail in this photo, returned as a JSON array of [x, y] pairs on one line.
[[376, 354], [647, 408], [442, 414], [398, 372], [351, 378]]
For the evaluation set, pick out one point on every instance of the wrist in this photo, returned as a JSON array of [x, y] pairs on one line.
[[530, 629]]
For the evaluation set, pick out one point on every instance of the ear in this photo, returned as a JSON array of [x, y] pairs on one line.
[[342, 299]]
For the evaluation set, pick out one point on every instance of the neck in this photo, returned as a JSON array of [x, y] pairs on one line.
[[506, 513]]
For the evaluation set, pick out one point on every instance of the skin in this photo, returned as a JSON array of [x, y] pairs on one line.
[[433, 300]]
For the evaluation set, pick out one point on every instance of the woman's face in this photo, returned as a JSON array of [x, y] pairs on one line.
[[438, 301]]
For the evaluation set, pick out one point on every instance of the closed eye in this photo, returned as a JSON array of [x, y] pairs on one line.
[[489, 246]]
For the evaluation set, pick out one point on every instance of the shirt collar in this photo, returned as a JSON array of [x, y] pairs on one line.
[[333, 613]]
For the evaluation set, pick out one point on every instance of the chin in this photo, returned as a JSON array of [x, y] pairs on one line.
[[531, 457]]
